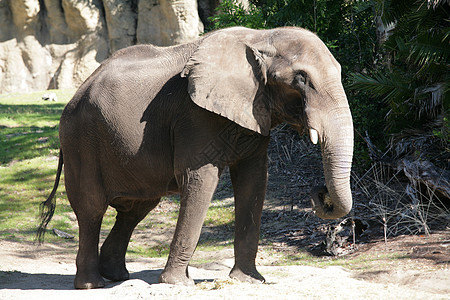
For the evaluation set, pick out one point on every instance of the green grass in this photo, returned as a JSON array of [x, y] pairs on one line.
[[220, 216], [28, 160], [29, 125], [160, 250]]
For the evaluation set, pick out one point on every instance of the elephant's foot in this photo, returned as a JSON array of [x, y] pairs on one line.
[[114, 271], [88, 281], [176, 277], [246, 275]]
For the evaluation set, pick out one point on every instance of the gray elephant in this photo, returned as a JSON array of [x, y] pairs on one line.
[[154, 121]]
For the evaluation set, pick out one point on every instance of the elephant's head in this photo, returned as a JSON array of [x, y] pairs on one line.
[[261, 78]]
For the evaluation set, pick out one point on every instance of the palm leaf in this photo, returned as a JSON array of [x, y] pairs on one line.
[[387, 86], [429, 48]]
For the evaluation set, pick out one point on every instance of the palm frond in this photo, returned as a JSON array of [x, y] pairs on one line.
[[386, 86], [436, 3], [429, 48], [363, 6], [393, 10], [429, 101]]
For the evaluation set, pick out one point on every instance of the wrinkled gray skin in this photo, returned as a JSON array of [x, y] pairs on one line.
[[156, 121]]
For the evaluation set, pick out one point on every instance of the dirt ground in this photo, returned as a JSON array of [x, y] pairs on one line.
[[30, 271]]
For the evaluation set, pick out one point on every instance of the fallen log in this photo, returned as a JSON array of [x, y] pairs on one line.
[[417, 171], [422, 171]]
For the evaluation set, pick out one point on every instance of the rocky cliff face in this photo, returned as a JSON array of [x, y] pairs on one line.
[[59, 43]]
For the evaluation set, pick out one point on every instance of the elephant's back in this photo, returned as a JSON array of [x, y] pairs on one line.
[[134, 76], [129, 91]]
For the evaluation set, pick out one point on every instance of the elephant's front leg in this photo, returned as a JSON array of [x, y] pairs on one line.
[[197, 189], [249, 178]]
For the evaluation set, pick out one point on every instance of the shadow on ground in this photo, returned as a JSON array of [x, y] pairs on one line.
[[15, 280]]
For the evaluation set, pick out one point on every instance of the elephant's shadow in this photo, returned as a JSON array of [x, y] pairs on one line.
[[15, 280]]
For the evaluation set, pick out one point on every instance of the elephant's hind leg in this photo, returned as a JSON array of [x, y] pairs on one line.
[[87, 198], [112, 253]]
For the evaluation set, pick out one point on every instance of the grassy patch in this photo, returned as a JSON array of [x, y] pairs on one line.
[[220, 216], [161, 250], [28, 161], [360, 262], [29, 125]]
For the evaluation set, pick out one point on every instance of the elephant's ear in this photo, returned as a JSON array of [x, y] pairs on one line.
[[224, 77]]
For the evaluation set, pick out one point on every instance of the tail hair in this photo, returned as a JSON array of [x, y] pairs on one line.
[[47, 207]]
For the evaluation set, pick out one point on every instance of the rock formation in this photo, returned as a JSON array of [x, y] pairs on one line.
[[59, 43]]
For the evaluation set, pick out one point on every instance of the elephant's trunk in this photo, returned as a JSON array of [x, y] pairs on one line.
[[335, 200]]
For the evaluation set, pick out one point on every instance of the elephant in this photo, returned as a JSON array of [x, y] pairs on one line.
[[154, 121]]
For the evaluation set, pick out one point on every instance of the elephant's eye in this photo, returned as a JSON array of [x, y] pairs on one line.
[[302, 80]]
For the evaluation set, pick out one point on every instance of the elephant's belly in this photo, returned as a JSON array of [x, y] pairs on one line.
[[142, 193], [138, 184]]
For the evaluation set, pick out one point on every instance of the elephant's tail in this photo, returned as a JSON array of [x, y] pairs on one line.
[[47, 208]]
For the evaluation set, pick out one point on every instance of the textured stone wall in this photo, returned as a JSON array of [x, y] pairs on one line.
[[59, 43]]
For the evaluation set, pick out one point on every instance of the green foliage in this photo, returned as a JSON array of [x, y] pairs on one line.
[[443, 133], [232, 13], [412, 80]]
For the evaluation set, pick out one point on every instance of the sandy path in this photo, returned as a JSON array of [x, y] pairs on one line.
[[31, 272]]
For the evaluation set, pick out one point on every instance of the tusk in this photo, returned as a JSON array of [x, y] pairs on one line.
[[314, 136]]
